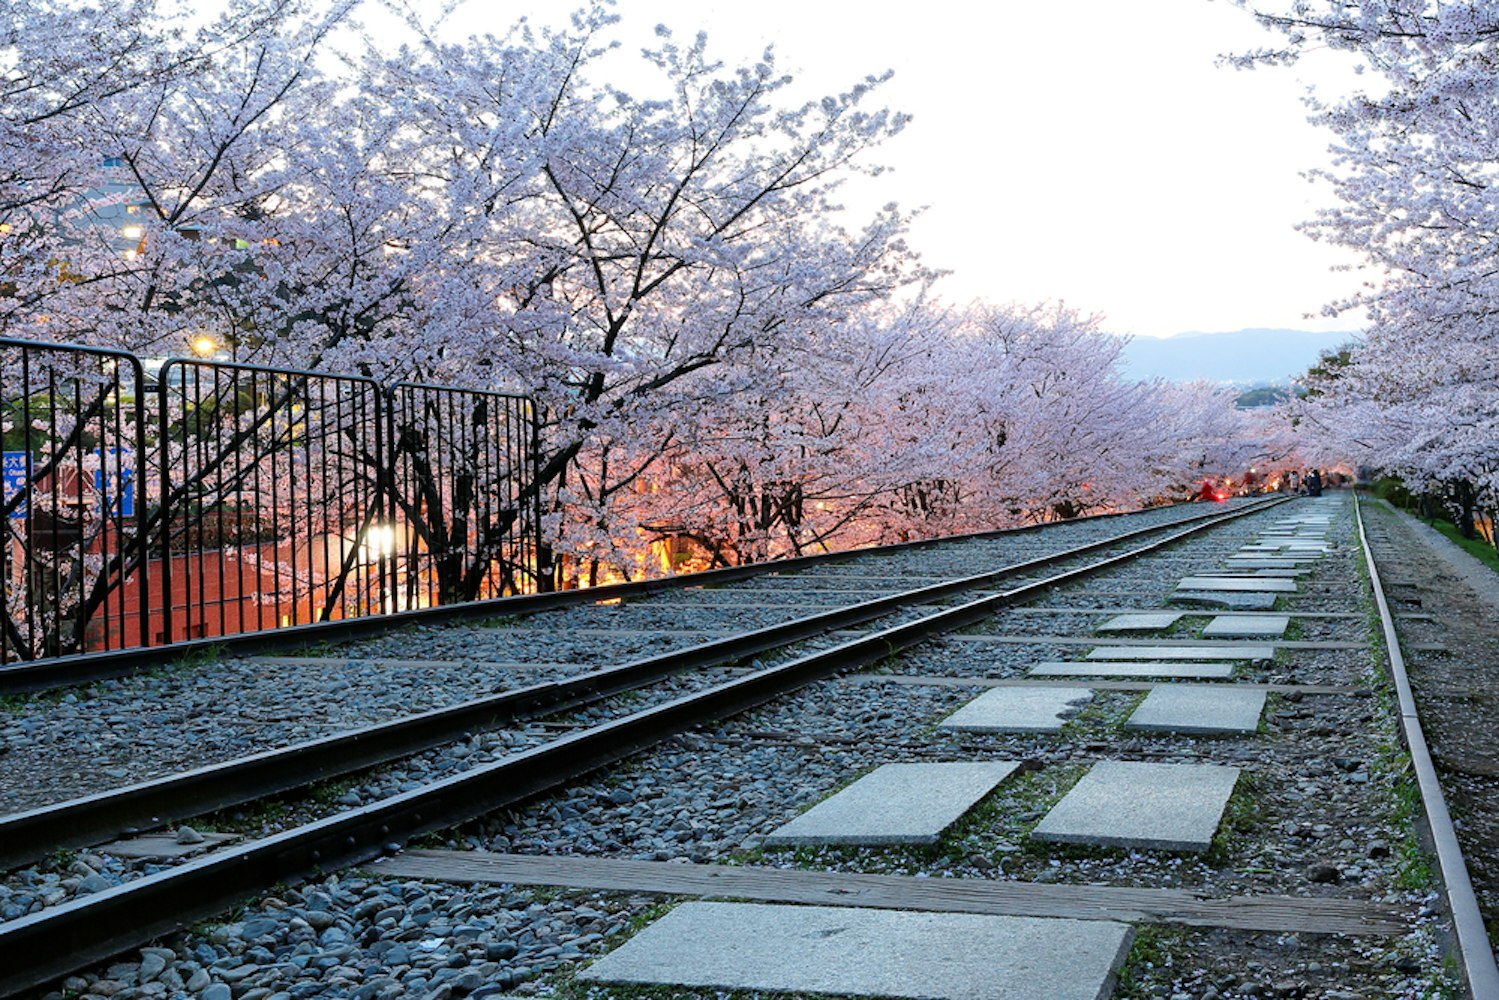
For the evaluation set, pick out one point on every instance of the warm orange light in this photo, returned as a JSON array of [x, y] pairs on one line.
[[204, 345]]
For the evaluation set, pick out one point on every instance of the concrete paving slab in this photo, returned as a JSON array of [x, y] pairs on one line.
[[856, 951], [895, 804], [1308, 559], [1157, 668], [1247, 627], [1019, 710], [1237, 584], [1199, 708], [1165, 807], [164, 846], [1144, 622], [1241, 572], [1223, 599], [1222, 651], [1240, 562]]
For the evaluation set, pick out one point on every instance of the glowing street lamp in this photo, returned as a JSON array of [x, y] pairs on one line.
[[379, 541], [204, 346], [378, 545]]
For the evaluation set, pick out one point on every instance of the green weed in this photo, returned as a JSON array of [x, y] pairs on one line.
[[1245, 815], [251, 818], [192, 659], [327, 793], [1150, 951], [1102, 717], [1187, 627]]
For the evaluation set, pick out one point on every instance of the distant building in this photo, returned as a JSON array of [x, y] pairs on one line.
[[117, 204]]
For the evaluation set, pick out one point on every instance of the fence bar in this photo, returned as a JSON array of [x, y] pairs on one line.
[[219, 498]]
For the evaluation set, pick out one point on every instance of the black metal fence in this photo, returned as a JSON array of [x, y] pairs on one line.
[[213, 498]]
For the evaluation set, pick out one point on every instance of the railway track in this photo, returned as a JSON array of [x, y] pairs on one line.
[[528, 802], [27, 677], [72, 744]]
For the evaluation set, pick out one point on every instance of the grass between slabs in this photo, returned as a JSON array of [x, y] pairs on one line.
[[1103, 716], [1150, 951]]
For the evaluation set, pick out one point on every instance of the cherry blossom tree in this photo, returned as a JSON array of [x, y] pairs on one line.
[[932, 421], [1414, 177]]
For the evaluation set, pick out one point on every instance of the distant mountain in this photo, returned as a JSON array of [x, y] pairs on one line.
[[1243, 357]]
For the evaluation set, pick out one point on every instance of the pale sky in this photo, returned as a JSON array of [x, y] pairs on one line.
[[1078, 150]]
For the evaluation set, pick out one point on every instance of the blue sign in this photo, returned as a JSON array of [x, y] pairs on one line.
[[14, 472], [115, 486]]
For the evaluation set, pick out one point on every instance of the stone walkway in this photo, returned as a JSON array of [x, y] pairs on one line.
[[1126, 804]]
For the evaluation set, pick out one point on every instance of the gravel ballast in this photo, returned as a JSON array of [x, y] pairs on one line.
[[1315, 814]]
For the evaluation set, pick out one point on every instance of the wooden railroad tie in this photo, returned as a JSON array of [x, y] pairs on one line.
[[1278, 914]]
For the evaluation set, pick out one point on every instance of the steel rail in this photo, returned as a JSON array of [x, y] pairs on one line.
[[68, 671], [28, 836], [1473, 944], [44, 946]]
